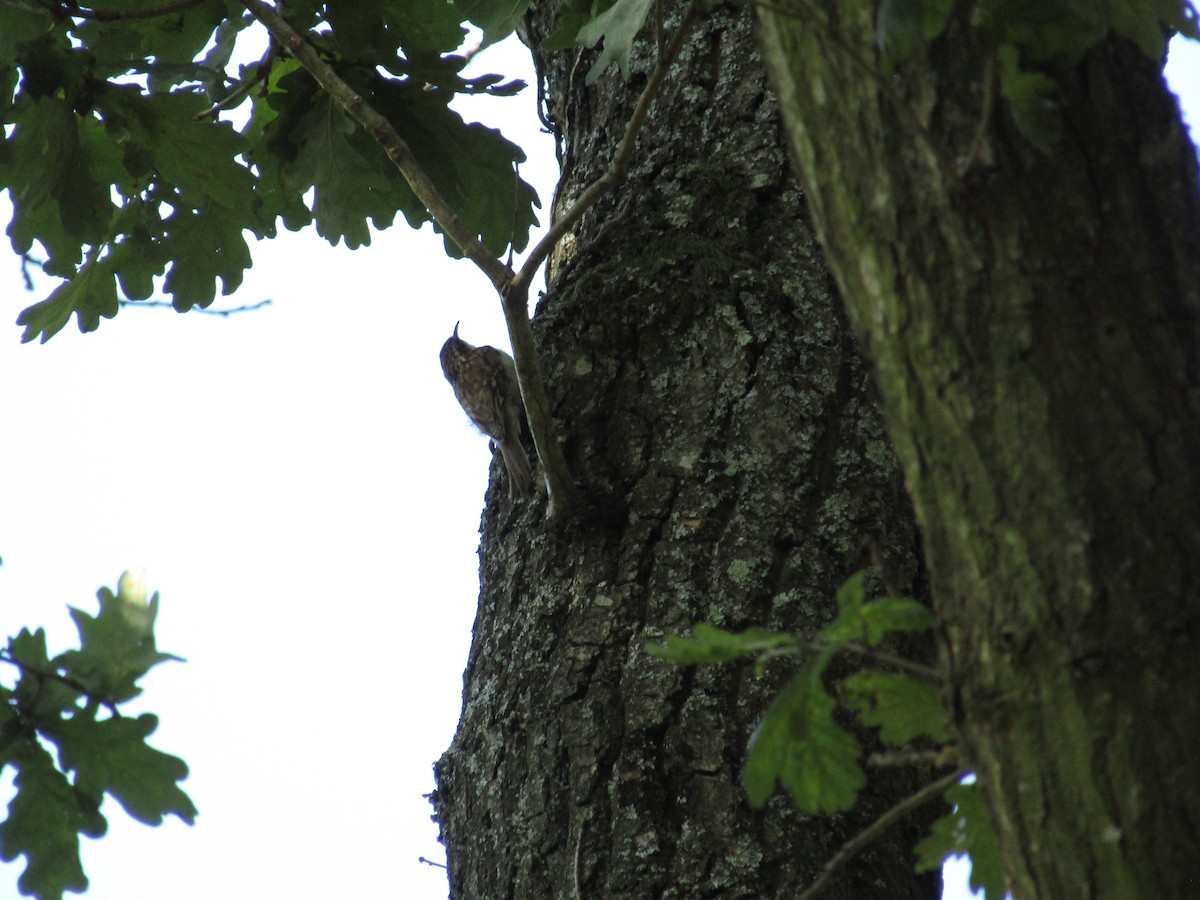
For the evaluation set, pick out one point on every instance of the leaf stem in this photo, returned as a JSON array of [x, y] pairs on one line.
[[43, 675], [892, 659]]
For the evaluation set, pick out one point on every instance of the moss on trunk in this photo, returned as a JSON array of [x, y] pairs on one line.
[[1034, 321]]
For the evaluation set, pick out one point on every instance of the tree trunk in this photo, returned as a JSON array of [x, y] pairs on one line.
[[1035, 326], [716, 414]]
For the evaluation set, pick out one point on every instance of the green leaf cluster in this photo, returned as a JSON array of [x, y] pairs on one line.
[[1032, 37], [966, 830], [70, 703], [127, 173], [799, 743]]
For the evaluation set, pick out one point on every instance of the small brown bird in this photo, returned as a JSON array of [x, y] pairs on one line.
[[485, 382]]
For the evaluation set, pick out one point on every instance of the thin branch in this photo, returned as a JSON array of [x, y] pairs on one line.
[[616, 169], [515, 294], [430, 862], [938, 759], [66, 680], [892, 659], [863, 839], [26, 262], [381, 129], [226, 313], [261, 72]]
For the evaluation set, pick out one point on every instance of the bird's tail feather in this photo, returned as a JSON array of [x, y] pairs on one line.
[[520, 476]]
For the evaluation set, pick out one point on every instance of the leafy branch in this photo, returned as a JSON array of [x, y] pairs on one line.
[[800, 745], [512, 287], [40, 675], [397, 149], [262, 71], [619, 166], [178, 200], [56, 701]]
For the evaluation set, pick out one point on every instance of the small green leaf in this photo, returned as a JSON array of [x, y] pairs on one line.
[[472, 166], [799, 745], [116, 647], [871, 622], [902, 25], [339, 161], [901, 707], [1030, 96], [90, 296], [200, 159], [44, 821], [57, 169], [617, 26], [709, 644], [966, 830], [112, 757], [208, 244]]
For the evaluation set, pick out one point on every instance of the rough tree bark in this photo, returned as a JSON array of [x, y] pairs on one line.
[[717, 414], [1036, 330]]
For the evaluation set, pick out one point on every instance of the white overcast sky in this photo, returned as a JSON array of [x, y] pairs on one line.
[[301, 488]]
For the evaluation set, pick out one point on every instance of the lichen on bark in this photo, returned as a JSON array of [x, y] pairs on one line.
[[718, 417], [1035, 325]]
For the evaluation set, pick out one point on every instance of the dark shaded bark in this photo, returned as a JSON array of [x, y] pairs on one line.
[[1036, 329], [715, 412]]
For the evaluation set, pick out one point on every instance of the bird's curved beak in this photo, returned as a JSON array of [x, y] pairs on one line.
[[456, 324]]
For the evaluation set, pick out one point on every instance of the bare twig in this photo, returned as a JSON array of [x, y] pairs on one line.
[[856, 844], [616, 169], [880, 655], [226, 313], [430, 862], [261, 72], [516, 293]]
